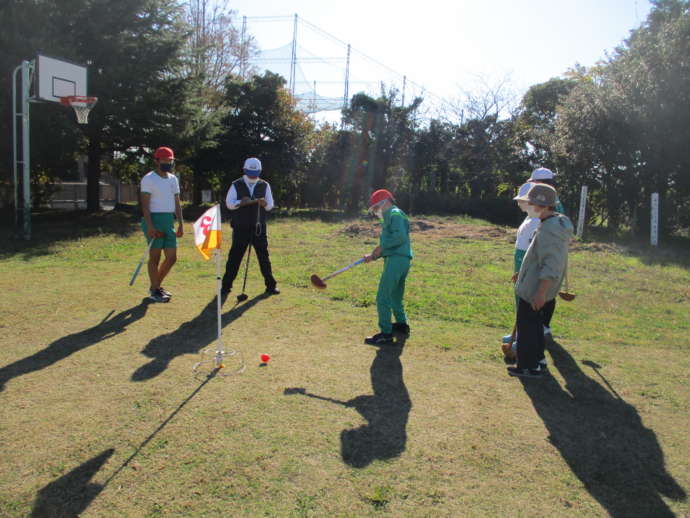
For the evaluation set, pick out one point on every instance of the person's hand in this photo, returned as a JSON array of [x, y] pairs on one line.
[[180, 230], [262, 202], [538, 301], [368, 258], [376, 252], [153, 233], [514, 277]]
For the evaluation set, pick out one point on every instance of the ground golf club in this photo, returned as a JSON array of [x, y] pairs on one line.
[[143, 258], [320, 283], [243, 296]]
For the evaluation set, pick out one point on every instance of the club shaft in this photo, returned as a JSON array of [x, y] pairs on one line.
[[141, 263], [346, 268]]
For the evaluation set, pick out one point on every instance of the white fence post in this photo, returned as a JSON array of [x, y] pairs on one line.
[[581, 215], [654, 228]]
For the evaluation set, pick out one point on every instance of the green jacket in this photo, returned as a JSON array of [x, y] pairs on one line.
[[395, 234], [546, 258]]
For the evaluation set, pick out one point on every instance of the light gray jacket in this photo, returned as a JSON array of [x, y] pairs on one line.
[[546, 258]]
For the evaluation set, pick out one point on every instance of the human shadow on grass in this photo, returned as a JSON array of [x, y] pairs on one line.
[[384, 436], [603, 440], [71, 494], [70, 344], [191, 337]]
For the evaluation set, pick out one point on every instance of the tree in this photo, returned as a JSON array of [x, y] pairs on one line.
[[214, 51], [536, 119], [624, 127], [263, 121], [381, 139]]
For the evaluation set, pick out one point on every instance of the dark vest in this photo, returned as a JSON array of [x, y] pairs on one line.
[[245, 217]]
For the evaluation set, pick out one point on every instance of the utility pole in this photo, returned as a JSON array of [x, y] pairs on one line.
[[402, 102], [243, 49], [313, 105], [346, 97], [293, 61]]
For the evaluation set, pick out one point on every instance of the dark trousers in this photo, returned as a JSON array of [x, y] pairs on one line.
[[241, 239], [530, 333]]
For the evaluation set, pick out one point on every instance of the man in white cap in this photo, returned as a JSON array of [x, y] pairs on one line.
[[249, 199]]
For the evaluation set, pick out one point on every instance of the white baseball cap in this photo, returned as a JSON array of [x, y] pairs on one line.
[[252, 167], [523, 190], [542, 174]]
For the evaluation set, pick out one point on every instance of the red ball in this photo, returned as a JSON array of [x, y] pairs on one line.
[[264, 358]]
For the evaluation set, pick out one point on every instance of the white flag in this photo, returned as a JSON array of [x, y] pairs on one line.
[[207, 231]]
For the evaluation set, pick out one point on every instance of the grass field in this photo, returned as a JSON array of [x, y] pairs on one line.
[[100, 415]]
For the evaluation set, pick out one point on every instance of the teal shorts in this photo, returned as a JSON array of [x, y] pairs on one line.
[[163, 222]]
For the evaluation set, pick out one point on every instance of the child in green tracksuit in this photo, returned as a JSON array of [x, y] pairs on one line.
[[394, 247]]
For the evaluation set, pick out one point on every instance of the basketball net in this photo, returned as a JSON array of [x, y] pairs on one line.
[[81, 104]]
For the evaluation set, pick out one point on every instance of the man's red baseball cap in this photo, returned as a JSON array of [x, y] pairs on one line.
[[164, 153], [379, 196]]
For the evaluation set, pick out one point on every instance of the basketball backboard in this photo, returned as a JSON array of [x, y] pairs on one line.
[[58, 78]]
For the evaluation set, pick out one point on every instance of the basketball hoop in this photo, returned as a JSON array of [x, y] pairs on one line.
[[81, 104]]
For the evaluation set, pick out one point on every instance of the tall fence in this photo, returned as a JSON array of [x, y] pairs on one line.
[[72, 195]]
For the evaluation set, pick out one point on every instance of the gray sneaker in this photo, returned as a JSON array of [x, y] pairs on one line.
[[158, 296]]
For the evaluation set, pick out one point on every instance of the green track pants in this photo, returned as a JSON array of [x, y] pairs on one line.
[[519, 256], [391, 291]]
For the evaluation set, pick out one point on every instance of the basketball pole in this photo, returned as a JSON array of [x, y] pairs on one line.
[[26, 68]]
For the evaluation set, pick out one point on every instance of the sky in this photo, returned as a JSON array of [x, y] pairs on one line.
[[447, 46]]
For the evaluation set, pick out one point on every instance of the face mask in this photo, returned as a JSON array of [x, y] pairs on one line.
[[532, 211], [251, 179], [166, 168]]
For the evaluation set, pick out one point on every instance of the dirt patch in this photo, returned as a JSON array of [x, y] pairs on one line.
[[577, 246], [434, 230]]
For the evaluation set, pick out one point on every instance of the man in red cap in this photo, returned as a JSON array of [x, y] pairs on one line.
[[160, 203], [394, 247]]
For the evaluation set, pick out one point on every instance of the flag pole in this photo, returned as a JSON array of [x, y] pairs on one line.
[[219, 347]]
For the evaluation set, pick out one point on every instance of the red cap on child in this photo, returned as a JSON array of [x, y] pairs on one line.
[[378, 196], [164, 153]]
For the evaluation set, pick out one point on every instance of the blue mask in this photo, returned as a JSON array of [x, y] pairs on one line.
[[166, 168]]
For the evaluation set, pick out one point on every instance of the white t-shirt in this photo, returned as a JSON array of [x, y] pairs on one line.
[[162, 191], [526, 232]]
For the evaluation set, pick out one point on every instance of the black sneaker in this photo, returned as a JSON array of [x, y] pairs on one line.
[[379, 339], [543, 365], [524, 373], [272, 291], [403, 329], [165, 292], [158, 296]]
